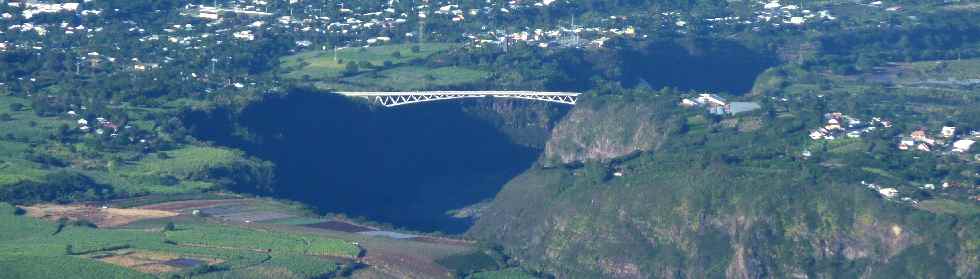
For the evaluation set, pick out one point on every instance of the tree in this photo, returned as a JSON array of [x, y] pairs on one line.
[[5, 117], [351, 68], [397, 54], [169, 227], [365, 64], [16, 106], [416, 49]]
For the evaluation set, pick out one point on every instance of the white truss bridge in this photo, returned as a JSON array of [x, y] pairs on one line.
[[391, 99]]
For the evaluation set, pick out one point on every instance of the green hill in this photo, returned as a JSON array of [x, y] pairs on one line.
[[713, 203]]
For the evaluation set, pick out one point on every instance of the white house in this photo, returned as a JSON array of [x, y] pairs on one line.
[[816, 134], [711, 99], [948, 132], [963, 146], [888, 192]]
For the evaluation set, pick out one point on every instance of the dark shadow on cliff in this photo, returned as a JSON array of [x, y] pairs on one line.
[[696, 64], [405, 165]]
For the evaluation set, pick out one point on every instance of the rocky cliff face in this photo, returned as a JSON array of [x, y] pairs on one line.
[[525, 123], [603, 131], [681, 214]]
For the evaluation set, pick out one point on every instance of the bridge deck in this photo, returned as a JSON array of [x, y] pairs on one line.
[[390, 99], [489, 93]]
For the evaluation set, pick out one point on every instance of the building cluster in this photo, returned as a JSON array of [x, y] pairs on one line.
[[31, 8], [717, 105], [949, 139], [839, 125], [889, 193], [100, 125], [775, 13]]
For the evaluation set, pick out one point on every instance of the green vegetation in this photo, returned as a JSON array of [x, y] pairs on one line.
[[706, 191], [409, 78], [215, 236], [469, 263], [34, 147], [187, 169], [56, 267], [388, 67], [942, 70], [320, 65], [588, 222], [945, 206], [510, 273], [30, 245]]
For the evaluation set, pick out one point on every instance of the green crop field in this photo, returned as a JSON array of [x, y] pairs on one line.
[[319, 65], [510, 273], [214, 236], [32, 246], [57, 267]]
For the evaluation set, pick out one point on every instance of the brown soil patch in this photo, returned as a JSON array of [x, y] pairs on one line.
[[405, 265], [149, 262], [441, 240], [340, 226], [102, 217], [192, 204]]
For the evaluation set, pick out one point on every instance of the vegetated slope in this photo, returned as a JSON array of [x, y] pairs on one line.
[[717, 204]]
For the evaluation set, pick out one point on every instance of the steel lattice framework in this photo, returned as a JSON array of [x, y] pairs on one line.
[[391, 99]]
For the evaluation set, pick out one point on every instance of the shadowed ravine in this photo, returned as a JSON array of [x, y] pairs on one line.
[[406, 165]]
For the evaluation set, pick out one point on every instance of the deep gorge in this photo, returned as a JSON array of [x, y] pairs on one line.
[[406, 166]]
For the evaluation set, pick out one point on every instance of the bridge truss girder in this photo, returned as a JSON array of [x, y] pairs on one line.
[[392, 100]]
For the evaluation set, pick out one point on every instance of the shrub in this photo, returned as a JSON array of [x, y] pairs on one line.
[[60, 187], [365, 64], [83, 223], [169, 227], [19, 211], [416, 49], [351, 68]]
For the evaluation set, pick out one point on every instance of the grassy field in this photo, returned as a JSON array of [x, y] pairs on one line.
[[953, 69], [16, 133], [23, 123], [32, 246], [950, 207], [320, 65], [321, 70], [276, 242], [150, 174], [408, 78]]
